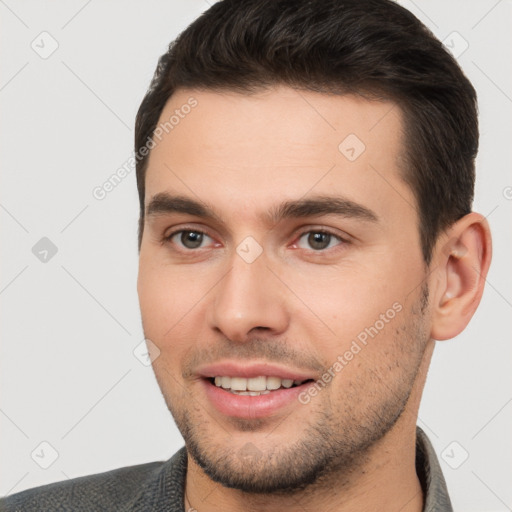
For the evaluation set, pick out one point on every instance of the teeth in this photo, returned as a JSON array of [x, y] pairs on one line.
[[254, 386], [250, 393], [257, 384], [238, 384], [273, 383]]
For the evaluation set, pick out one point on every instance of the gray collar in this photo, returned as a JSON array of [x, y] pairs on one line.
[[431, 476]]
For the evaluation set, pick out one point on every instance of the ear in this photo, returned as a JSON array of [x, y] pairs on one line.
[[461, 262]]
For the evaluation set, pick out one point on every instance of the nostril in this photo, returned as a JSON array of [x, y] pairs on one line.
[[260, 328]]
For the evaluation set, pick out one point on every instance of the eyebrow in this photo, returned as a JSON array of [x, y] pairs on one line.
[[164, 203], [321, 205]]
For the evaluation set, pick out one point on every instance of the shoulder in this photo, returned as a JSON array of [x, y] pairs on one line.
[[133, 488]]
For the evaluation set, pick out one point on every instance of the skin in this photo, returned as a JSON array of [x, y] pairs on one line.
[[352, 447]]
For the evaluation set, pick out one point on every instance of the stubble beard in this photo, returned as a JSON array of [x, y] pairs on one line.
[[335, 445]]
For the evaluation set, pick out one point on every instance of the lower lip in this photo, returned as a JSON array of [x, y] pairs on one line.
[[249, 407]]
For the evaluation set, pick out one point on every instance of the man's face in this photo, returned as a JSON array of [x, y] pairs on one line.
[[277, 245]]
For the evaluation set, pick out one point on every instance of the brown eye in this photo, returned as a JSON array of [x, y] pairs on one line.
[[318, 240], [189, 239]]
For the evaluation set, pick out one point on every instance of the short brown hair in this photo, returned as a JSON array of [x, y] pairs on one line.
[[373, 48]]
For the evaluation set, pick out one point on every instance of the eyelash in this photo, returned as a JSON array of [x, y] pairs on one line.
[[342, 241]]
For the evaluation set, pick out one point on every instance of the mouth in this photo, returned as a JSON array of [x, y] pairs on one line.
[[254, 386], [253, 391]]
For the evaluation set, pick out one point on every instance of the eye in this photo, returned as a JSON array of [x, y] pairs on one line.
[[318, 240], [190, 239]]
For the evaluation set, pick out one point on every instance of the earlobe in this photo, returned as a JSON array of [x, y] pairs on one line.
[[462, 264]]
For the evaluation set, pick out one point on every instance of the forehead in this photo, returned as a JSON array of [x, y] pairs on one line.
[[278, 144]]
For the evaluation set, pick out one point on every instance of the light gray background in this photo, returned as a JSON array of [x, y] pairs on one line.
[[68, 373]]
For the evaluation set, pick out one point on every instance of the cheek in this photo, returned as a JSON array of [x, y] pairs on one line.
[[162, 298], [154, 297], [163, 309], [356, 314], [160, 286], [345, 299], [172, 303]]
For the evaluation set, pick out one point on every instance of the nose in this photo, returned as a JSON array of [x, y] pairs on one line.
[[248, 301]]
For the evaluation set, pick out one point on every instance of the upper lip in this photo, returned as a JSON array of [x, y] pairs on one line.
[[234, 369]]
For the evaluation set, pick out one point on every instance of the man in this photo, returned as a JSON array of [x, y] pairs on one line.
[[306, 174]]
